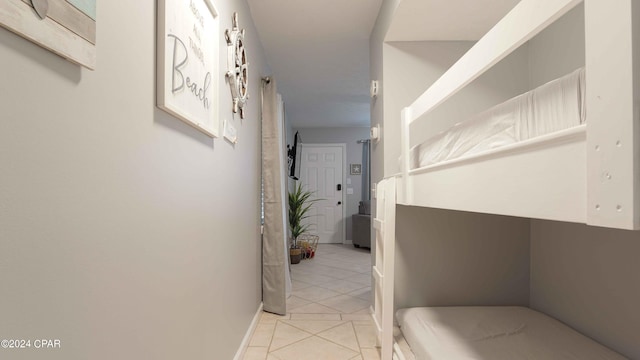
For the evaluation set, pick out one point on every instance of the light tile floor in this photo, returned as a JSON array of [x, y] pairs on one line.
[[327, 314]]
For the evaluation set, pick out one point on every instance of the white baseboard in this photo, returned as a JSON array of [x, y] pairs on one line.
[[348, 242], [247, 337]]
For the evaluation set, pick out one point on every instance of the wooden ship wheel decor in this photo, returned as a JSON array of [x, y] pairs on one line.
[[238, 72]]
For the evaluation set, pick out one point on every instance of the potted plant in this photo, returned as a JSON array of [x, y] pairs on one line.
[[300, 203]]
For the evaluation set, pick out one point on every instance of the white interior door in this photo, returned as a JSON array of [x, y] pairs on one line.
[[321, 171]]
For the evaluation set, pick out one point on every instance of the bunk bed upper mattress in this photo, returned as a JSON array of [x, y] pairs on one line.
[[551, 107], [494, 332]]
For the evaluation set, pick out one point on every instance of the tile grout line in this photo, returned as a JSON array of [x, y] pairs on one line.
[[363, 286], [341, 269], [334, 257], [357, 339], [317, 320], [272, 336], [354, 333], [359, 351], [295, 342], [338, 310]]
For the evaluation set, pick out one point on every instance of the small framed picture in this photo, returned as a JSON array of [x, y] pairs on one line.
[[356, 169]]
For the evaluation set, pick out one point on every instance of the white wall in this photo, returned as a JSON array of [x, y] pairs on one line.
[[505, 80], [588, 278], [559, 49], [348, 136], [409, 69], [376, 44], [376, 70], [124, 232], [453, 258]]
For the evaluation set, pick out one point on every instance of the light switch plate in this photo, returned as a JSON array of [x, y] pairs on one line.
[[230, 132], [349, 191]]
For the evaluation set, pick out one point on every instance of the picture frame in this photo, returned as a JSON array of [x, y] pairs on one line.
[[294, 156], [188, 55], [66, 28], [355, 169]]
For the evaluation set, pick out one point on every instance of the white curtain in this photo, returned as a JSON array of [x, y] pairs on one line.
[[275, 276], [366, 170]]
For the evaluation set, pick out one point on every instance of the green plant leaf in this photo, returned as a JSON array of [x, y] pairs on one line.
[[300, 203]]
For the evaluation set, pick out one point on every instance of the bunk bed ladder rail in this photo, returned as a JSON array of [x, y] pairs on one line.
[[383, 269]]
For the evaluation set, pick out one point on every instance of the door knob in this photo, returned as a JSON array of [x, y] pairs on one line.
[[339, 202]]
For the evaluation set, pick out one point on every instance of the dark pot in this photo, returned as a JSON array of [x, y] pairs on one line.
[[296, 255]]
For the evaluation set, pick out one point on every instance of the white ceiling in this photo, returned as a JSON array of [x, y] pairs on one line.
[[319, 50], [446, 19], [319, 54]]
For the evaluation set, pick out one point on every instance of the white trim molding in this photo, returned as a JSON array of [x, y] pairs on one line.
[[247, 337]]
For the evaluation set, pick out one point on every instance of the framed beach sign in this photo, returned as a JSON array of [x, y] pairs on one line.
[[65, 27], [187, 62]]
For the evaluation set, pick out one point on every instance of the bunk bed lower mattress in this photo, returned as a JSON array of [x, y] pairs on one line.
[[494, 332], [552, 107]]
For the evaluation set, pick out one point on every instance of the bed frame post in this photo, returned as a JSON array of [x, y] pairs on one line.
[[405, 146], [612, 35]]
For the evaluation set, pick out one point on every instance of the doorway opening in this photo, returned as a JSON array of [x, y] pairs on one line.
[[337, 280]]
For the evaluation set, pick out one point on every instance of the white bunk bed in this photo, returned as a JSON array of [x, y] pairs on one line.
[[582, 172]]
